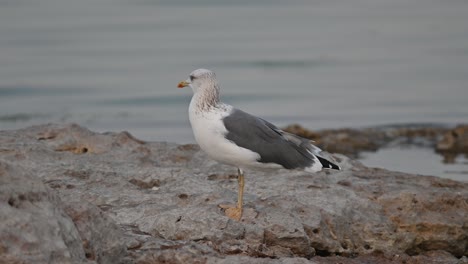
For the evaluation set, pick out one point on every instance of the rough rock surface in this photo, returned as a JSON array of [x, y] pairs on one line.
[[71, 195], [33, 224]]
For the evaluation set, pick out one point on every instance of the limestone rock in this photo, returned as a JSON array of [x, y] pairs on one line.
[[33, 227], [128, 201]]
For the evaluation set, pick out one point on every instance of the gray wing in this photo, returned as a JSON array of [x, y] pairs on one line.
[[271, 143]]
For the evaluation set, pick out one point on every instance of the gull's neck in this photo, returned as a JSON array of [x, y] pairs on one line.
[[206, 97]]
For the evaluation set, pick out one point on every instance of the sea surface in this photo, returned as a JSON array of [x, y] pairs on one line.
[[113, 65]]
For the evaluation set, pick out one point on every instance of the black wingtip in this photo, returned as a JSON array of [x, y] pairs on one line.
[[327, 164]]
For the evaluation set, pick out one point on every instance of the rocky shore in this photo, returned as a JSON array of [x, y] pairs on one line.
[[70, 195], [446, 140]]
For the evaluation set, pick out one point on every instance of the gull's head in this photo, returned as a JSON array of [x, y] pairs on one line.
[[200, 79]]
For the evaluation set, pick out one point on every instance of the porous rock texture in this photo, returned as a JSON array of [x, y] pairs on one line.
[[69, 195]]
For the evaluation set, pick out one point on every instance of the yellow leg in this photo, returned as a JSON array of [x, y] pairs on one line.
[[236, 212], [240, 194]]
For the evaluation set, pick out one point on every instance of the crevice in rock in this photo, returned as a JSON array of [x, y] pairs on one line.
[[145, 184], [323, 253], [12, 203], [183, 196]]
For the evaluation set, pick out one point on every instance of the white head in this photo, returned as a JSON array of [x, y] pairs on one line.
[[200, 80]]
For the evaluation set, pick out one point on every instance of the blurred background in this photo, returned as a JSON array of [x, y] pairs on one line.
[[113, 65]]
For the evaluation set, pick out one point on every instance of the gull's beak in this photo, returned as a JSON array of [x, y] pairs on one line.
[[183, 84]]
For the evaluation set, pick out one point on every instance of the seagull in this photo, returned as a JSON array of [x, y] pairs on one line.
[[234, 137]]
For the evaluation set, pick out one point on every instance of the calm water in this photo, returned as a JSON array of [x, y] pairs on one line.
[[114, 65], [418, 161]]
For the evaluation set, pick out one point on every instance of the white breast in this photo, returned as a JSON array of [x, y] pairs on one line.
[[209, 132]]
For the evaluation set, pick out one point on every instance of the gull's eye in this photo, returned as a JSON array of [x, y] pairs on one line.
[[192, 77]]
